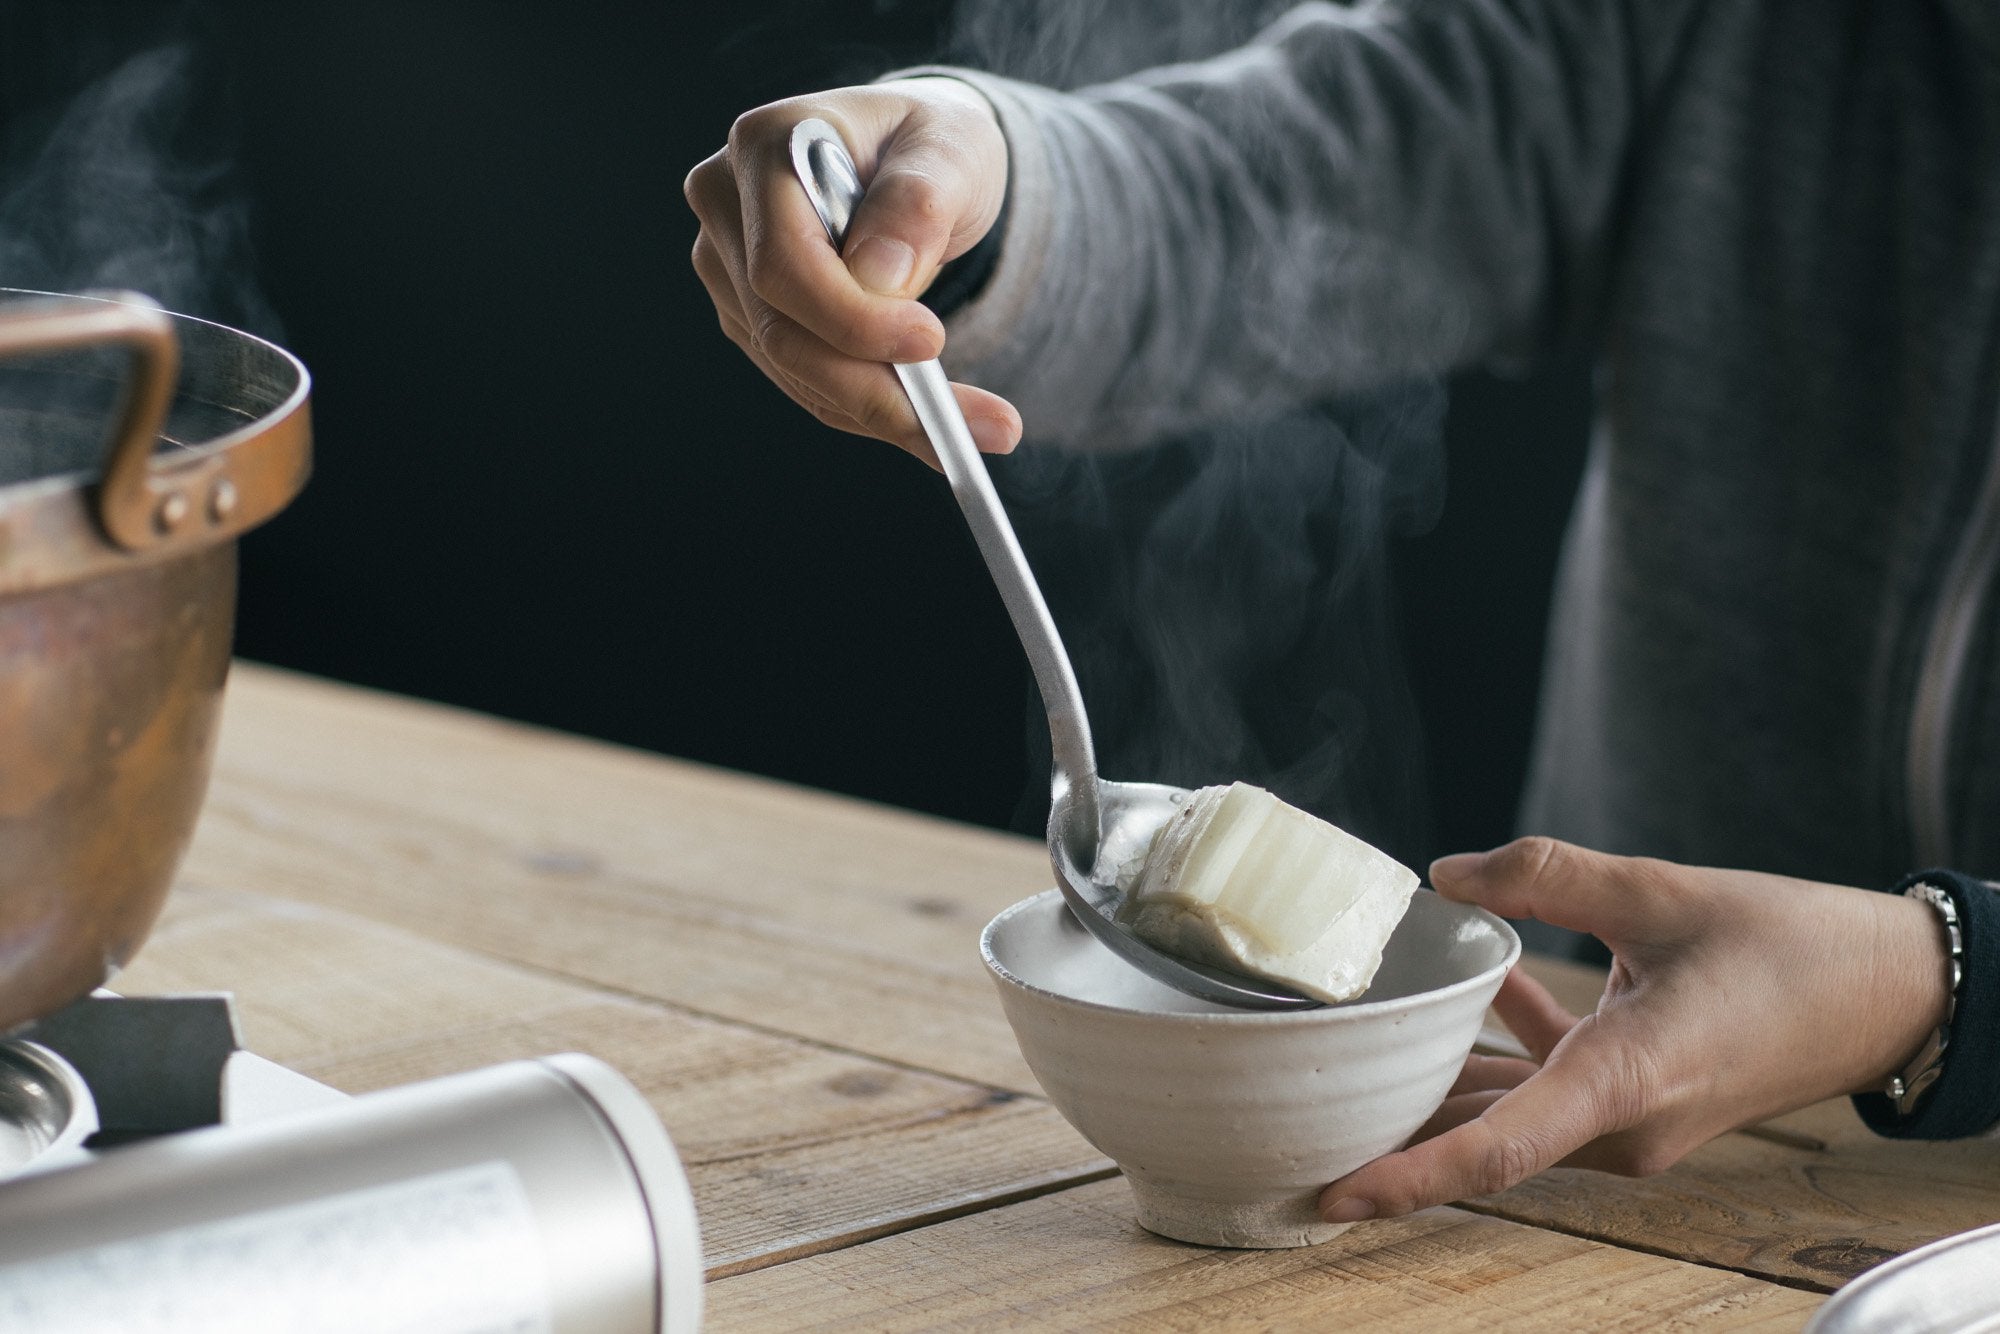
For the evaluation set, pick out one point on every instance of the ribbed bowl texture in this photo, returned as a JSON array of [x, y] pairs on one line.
[[1228, 1122]]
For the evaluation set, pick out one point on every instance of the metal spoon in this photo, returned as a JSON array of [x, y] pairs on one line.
[[1095, 825]]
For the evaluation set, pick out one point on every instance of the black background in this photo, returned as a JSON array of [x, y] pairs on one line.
[[548, 488]]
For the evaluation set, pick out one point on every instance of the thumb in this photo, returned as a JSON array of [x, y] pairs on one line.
[[1617, 899], [928, 201]]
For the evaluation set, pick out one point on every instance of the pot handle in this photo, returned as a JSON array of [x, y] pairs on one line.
[[135, 508]]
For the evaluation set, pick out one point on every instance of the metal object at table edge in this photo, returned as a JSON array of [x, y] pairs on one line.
[[1951, 1286], [45, 1104], [1095, 825], [572, 1146]]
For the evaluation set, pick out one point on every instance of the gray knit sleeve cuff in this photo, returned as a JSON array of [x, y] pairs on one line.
[[989, 322]]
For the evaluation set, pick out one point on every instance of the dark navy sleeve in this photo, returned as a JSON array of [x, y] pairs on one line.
[[1966, 1099]]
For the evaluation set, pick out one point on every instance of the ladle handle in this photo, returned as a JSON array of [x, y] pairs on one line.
[[827, 171]]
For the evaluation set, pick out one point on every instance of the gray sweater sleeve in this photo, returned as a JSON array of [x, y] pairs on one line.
[[1357, 195]]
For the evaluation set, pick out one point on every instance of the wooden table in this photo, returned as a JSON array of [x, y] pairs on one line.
[[395, 890]]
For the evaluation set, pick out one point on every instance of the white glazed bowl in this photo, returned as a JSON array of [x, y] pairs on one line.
[[1228, 1122]]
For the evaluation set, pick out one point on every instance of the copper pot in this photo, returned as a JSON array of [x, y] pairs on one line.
[[117, 602]]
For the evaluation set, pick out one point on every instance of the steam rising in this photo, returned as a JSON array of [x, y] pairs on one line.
[[1068, 43], [1227, 596], [123, 189]]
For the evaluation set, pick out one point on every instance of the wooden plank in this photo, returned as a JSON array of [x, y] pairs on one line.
[[791, 1147], [850, 924], [1576, 985], [855, 927], [1812, 1198], [837, 914], [1076, 1260], [1814, 1218], [773, 1207], [313, 985]]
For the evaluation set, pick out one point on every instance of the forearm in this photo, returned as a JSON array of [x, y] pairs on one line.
[[1356, 197]]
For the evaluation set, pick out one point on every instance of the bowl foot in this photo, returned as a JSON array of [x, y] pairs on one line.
[[1188, 1213]]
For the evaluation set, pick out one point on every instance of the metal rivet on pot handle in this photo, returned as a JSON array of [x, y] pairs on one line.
[[134, 512]]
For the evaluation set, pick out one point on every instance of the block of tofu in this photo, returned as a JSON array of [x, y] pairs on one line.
[[1240, 880]]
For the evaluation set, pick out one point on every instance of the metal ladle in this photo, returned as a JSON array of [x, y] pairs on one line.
[[1095, 826]]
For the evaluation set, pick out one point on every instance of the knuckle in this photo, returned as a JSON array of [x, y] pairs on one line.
[[750, 127], [805, 391], [771, 333], [824, 414], [693, 184], [770, 277], [1639, 1088], [1507, 1162], [1661, 879], [702, 255], [876, 413], [708, 177], [922, 198], [1533, 858]]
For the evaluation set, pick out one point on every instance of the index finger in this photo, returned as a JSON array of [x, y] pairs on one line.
[[794, 268], [1537, 1124], [1617, 899]]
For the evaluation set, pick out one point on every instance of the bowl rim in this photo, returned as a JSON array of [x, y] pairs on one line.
[[1345, 1012]]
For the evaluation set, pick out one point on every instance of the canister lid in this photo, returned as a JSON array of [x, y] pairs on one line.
[[46, 1112], [662, 1180]]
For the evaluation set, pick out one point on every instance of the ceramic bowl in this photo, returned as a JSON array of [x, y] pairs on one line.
[[1227, 1122]]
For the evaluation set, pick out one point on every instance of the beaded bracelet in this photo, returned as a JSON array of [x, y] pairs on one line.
[[1917, 1078], [1935, 1097]]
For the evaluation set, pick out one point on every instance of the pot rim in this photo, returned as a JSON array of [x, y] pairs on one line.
[[53, 529]]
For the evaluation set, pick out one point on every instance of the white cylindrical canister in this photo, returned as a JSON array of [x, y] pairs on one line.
[[535, 1197]]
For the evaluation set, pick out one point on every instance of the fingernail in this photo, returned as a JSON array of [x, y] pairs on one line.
[[992, 437], [1457, 866], [882, 264], [1350, 1210], [918, 344]]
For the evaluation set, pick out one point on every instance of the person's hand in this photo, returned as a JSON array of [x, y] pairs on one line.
[[822, 325], [1733, 997]]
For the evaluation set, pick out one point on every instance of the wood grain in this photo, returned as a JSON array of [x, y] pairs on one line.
[[1076, 1260], [849, 931], [791, 1147], [1814, 1218], [847, 923], [1576, 985], [773, 1207], [1812, 1198]]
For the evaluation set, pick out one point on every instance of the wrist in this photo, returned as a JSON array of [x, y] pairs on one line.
[[1960, 1093], [1916, 996]]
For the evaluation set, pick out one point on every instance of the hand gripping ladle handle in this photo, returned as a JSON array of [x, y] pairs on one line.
[[833, 184]]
